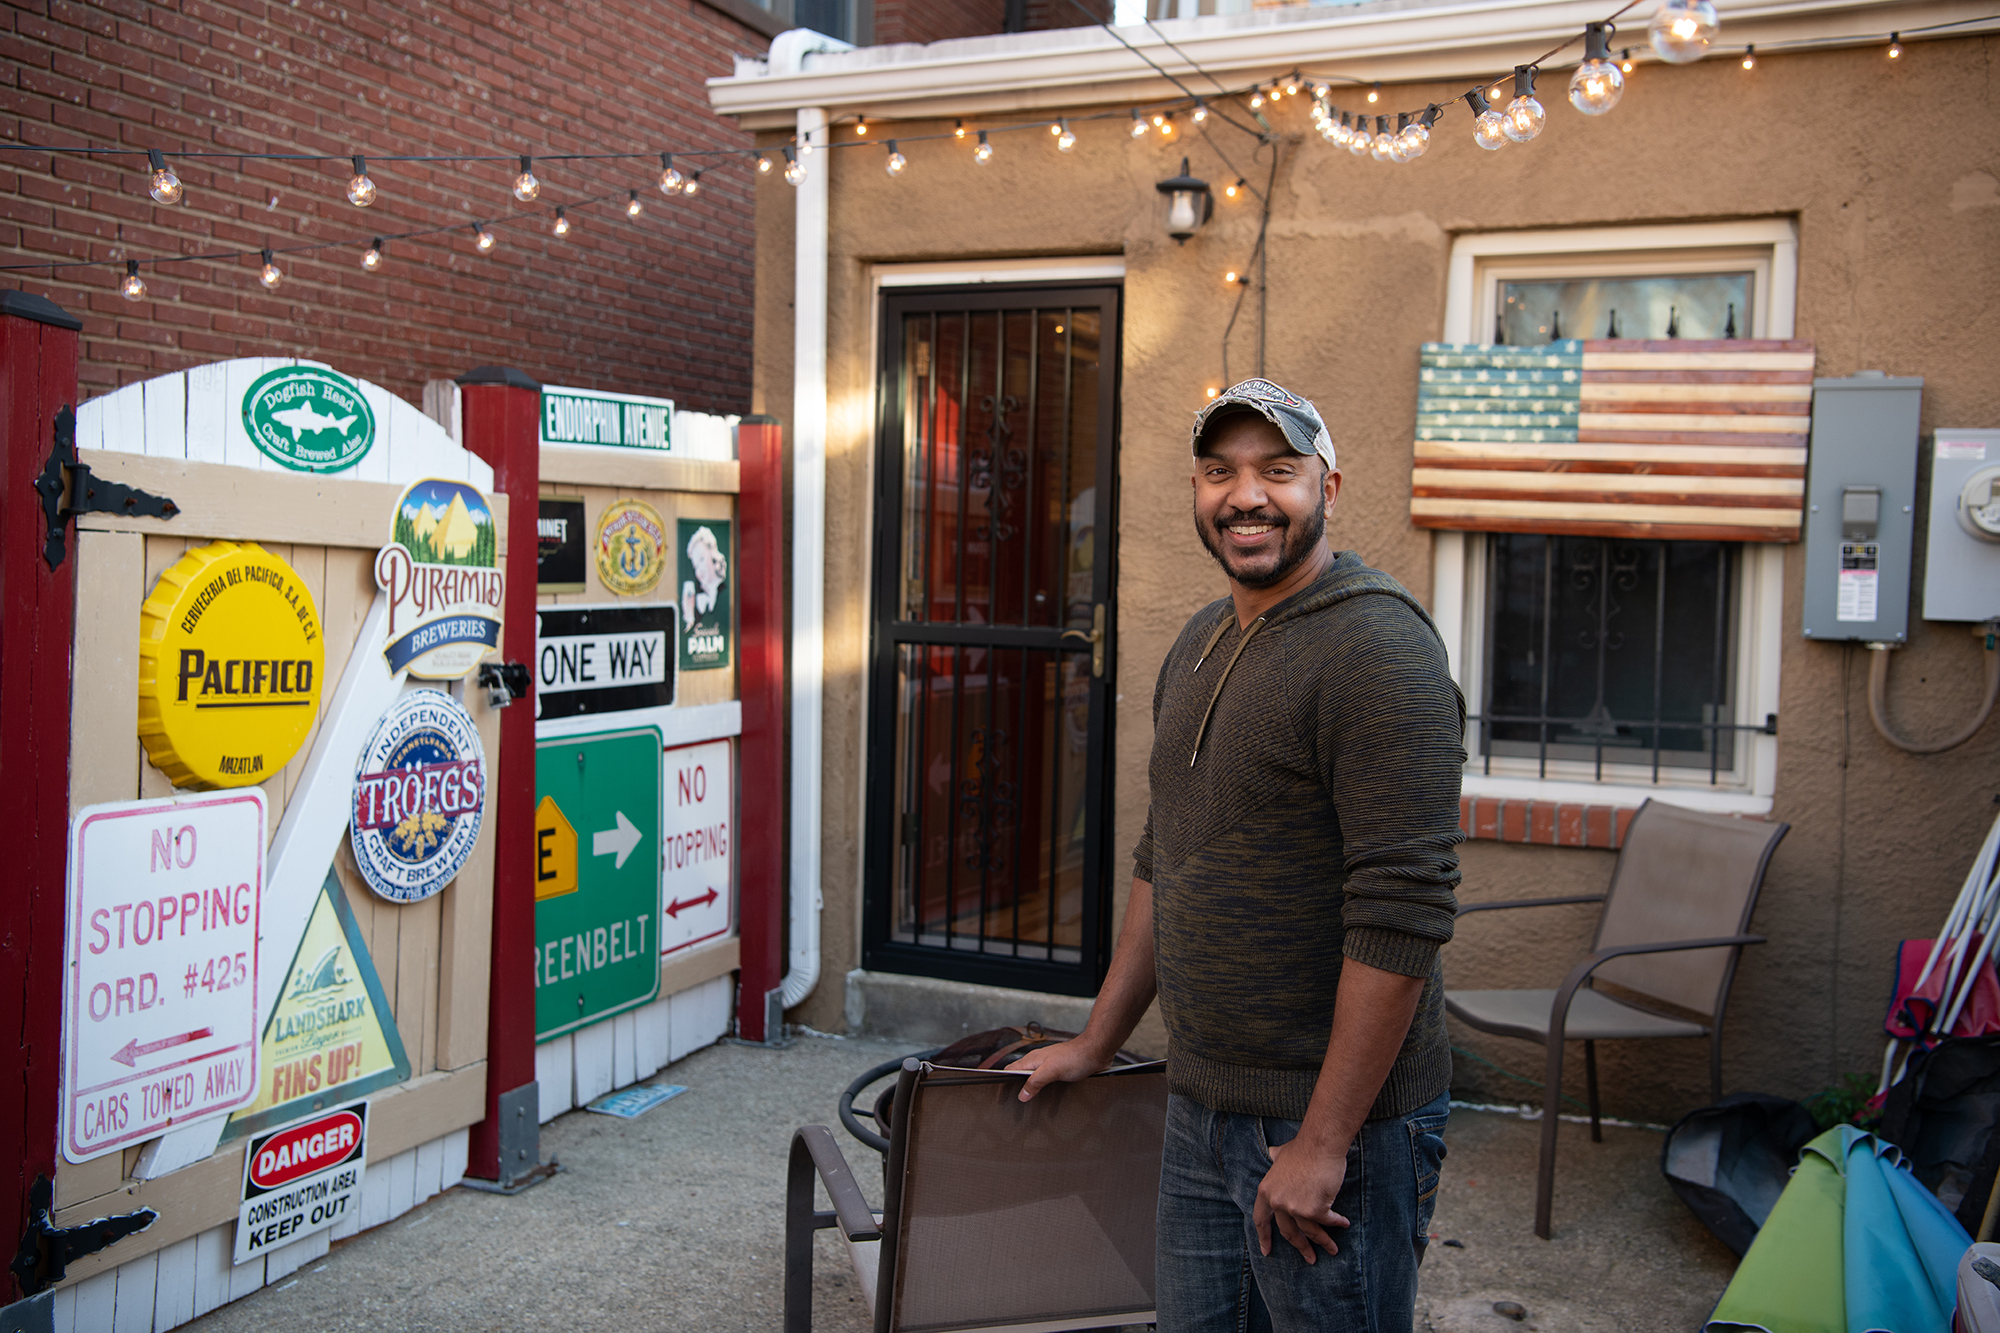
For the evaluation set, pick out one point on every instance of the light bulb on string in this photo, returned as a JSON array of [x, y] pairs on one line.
[[894, 166], [1167, 126], [360, 190], [163, 185], [1895, 46], [671, 180], [805, 144], [1318, 112], [1524, 116], [1200, 112], [481, 237], [1292, 86], [1231, 277], [984, 153], [1487, 123], [795, 170], [1416, 136], [1213, 391], [1397, 153], [1625, 61], [958, 128], [763, 165], [270, 275], [633, 208], [1257, 97], [861, 125], [1375, 94], [1383, 147], [1158, 120], [1235, 188], [693, 184], [1320, 90], [561, 225], [1597, 84], [1681, 30], [1066, 139], [133, 288], [371, 258], [1363, 140], [526, 187], [1138, 126], [1750, 56]]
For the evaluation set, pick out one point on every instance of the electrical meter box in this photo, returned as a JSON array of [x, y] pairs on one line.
[[1962, 555], [1861, 498]]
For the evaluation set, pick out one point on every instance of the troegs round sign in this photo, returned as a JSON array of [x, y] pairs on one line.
[[419, 796]]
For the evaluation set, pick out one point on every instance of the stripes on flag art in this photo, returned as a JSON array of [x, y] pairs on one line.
[[1701, 440]]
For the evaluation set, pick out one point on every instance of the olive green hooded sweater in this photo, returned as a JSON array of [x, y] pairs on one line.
[[1305, 781]]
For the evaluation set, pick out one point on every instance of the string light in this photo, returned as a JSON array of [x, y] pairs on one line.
[[693, 184], [1597, 85], [958, 128], [1292, 86], [1362, 141], [371, 258], [482, 237], [1200, 112], [1487, 123], [1416, 137], [526, 187], [1342, 133], [672, 182], [1375, 94], [1382, 148], [1257, 97], [1167, 126], [270, 275], [1895, 46], [1231, 277], [1320, 90], [1065, 138], [134, 286], [360, 190], [861, 125], [984, 153], [763, 165], [896, 161], [1625, 60], [633, 208], [1213, 391], [1525, 116], [1138, 126], [1158, 120], [805, 146], [1750, 56], [1682, 29], [1236, 188], [795, 170], [163, 185], [561, 225]]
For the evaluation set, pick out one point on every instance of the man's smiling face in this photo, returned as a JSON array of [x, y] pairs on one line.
[[1260, 506]]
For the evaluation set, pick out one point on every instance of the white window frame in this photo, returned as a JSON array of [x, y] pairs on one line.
[[1479, 263]]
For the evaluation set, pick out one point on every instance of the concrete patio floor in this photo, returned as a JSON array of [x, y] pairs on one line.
[[674, 1221]]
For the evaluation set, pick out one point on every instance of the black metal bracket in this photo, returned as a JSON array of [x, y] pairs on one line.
[[48, 1250], [87, 494], [504, 682]]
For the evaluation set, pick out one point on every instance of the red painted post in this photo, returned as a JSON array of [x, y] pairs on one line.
[[501, 411], [38, 352], [760, 561]]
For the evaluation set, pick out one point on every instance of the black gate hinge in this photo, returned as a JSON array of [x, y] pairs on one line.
[[87, 494], [48, 1250]]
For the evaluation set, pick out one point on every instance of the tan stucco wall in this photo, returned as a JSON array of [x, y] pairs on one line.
[[1890, 172]]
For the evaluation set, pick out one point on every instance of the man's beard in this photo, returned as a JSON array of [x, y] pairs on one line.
[[1296, 542]]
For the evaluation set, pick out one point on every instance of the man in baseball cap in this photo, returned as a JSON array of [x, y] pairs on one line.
[[1289, 897]]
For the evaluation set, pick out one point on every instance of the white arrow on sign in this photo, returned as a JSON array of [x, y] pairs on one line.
[[620, 840]]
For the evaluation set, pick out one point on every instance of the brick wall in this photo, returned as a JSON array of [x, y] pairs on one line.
[[659, 305], [1550, 823], [937, 20]]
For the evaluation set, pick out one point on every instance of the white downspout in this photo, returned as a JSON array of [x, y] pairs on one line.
[[808, 556]]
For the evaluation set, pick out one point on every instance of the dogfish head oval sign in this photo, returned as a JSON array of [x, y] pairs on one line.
[[230, 657], [419, 796], [308, 419], [314, 1146]]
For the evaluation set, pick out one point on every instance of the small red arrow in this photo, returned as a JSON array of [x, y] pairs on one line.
[[133, 1049], [674, 907]]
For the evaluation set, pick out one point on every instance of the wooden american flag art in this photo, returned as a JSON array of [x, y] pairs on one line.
[[1700, 440]]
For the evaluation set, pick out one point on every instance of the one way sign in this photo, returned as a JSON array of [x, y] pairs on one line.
[[604, 659]]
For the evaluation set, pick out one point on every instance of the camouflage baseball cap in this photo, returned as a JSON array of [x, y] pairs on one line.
[[1298, 419]]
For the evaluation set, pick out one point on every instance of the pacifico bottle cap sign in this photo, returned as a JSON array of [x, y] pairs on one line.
[[419, 796], [230, 658], [309, 419], [442, 574]]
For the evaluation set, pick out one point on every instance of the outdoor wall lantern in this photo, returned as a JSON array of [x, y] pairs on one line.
[[1189, 204]]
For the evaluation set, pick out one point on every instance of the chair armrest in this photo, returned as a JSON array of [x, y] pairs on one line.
[[1559, 1012], [850, 1211], [1470, 908]]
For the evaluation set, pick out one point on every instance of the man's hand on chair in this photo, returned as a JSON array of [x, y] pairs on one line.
[[1069, 1061]]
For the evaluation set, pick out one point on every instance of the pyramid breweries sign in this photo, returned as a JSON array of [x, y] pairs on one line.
[[442, 574], [309, 419]]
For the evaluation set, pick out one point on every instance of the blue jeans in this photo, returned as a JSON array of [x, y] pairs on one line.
[[1210, 1277]]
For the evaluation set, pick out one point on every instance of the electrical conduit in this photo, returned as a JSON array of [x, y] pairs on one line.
[[1878, 695]]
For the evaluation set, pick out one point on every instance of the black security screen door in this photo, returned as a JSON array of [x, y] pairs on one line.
[[990, 725]]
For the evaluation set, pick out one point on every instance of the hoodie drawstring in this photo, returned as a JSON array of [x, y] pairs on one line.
[[1248, 634]]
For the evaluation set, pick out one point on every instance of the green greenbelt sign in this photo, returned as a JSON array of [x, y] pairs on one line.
[[597, 877], [589, 416], [308, 419]]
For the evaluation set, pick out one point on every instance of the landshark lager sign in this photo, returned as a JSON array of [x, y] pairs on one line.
[[309, 419], [442, 574], [230, 657]]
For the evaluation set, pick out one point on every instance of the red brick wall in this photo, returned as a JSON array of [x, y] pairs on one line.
[[937, 20], [660, 305]]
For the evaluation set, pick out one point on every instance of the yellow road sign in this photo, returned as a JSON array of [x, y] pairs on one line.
[[555, 851]]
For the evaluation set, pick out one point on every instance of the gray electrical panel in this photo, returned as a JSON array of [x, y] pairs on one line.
[[1962, 555], [1861, 496]]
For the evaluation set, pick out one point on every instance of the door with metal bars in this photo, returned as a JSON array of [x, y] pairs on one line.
[[990, 730]]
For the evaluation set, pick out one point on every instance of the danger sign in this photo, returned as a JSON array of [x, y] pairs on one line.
[[300, 1180], [160, 1001]]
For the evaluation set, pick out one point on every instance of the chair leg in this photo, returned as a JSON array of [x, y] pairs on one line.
[[1545, 1171], [800, 1224], [1590, 1082], [1715, 1063]]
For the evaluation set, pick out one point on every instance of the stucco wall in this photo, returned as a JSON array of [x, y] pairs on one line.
[[1898, 231]]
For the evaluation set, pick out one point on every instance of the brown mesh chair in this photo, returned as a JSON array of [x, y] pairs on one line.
[[998, 1214], [1667, 943]]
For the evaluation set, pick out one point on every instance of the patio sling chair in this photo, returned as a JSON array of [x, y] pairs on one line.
[[1668, 939], [998, 1214]]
